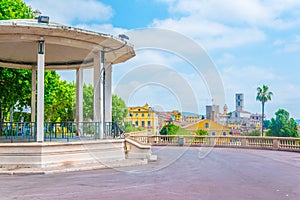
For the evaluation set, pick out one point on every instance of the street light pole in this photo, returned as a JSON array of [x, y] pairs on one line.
[[103, 95]]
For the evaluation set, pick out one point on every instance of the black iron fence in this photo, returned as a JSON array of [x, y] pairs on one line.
[[59, 131]]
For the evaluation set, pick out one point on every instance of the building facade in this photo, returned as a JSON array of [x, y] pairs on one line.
[[212, 128], [212, 113], [191, 117], [145, 117], [239, 121], [239, 101]]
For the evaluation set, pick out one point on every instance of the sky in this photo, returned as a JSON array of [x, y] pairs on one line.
[[249, 42]]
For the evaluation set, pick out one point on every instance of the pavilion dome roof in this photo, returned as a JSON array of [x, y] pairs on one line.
[[66, 47]]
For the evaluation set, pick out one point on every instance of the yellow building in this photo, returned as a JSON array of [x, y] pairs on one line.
[[177, 115], [192, 118], [211, 127], [143, 116]]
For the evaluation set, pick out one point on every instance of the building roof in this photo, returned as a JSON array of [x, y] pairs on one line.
[[66, 47], [242, 111]]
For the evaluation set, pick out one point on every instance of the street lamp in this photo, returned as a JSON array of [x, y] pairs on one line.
[[104, 76]]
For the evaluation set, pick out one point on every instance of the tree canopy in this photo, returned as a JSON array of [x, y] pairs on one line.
[[88, 102], [15, 9], [119, 109], [60, 95], [201, 132], [172, 129], [282, 125], [15, 87], [263, 95], [15, 84], [59, 98]]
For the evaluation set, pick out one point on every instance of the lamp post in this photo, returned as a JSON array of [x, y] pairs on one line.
[[122, 37]]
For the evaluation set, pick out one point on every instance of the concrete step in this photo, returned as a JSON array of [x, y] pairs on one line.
[[74, 168]]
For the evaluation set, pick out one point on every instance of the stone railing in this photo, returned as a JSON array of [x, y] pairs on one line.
[[272, 143]]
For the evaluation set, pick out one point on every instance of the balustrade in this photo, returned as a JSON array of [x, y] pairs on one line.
[[273, 143]]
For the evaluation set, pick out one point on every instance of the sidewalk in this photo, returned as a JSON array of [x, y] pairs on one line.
[[73, 168]]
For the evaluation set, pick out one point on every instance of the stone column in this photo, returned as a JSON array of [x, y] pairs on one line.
[[33, 94], [40, 91], [98, 94], [108, 92], [79, 99]]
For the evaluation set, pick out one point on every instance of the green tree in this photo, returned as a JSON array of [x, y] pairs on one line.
[[15, 84], [263, 95], [15, 9], [59, 98], [266, 123], [119, 109], [282, 125], [15, 87], [201, 132], [172, 129], [88, 102], [130, 128], [253, 133]]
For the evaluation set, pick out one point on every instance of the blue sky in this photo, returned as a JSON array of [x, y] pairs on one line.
[[251, 42]]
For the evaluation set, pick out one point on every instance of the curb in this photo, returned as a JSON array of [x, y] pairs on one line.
[[75, 168]]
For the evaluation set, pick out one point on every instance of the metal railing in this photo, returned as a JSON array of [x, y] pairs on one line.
[[273, 143], [58, 131]]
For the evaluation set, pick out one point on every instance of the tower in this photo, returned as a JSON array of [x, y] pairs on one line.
[[239, 101], [212, 113], [225, 109]]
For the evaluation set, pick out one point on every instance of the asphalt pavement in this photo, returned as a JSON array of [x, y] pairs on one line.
[[179, 173]]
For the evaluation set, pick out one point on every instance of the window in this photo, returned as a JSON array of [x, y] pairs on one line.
[[139, 110], [213, 134], [143, 114], [130, 114], [149, 123], [224, 133], [136, 123], [136, 114], [149, 115], [206, 125], [143, 123]]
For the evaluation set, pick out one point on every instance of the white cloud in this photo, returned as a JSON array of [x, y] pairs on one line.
[[268, 13], [288, 46], [228, 24], [278, 42], [70, 11], [211, 34], [225, 58], [249, 11]]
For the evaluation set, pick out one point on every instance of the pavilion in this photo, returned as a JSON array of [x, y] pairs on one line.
[[39, 45]]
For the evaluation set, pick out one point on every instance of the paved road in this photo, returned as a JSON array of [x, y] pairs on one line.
[[179, 173]]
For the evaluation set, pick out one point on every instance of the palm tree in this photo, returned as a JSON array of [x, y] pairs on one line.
[[263, 95]]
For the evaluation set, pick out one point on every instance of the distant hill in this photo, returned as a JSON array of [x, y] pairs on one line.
[[190, 114]]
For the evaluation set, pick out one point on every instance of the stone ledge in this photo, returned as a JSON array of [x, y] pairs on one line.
[[73, 168], [41, 155]]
